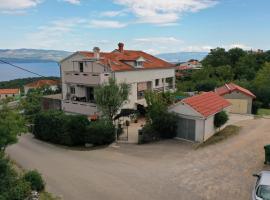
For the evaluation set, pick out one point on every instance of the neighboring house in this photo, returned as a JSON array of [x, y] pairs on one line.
[[51, 102], [83, 71], [184, 69], [240, 98], [4, 93], [196, 115], [53, 84]]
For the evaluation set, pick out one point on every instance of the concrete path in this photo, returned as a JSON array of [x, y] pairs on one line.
[[171, 170]]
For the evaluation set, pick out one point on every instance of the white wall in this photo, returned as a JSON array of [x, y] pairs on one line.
[[209, 128]]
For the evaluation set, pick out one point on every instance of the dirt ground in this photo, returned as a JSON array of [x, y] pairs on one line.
[[165, 170]]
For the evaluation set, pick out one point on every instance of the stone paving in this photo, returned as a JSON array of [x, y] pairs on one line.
[[165, 170]]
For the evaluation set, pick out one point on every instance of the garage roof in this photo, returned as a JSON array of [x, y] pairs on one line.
[[207, 103], [228, 88]]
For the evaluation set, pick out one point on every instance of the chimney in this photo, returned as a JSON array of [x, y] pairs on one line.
[[96, 51], [120, 47]]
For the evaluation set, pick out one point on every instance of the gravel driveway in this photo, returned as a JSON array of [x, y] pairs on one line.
[[165, 170]]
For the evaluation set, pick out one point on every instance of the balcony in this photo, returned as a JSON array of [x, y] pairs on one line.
[[84, 108], [86, 78]]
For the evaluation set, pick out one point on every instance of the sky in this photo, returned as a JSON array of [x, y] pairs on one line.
[[155, 26]]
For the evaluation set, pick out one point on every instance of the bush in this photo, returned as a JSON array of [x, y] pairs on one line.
[[149, 134], [35, 180], [220, 119], [100, 133], [20, 191], [72, 130], [59, 128], [256, 105]]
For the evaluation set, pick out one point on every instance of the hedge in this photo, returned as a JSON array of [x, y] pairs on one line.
[[72, 130], [35, 180]]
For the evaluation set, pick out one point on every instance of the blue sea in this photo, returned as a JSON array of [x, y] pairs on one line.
[[8, 72]]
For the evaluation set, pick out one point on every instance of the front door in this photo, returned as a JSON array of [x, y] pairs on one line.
[[90, 94]]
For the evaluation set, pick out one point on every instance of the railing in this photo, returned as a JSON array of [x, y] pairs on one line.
[[86, 77], [84, 108]]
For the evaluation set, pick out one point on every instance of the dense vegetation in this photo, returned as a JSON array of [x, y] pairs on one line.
[[161, 124], [19, 83], [14, 186], [248, 69], [220, 119], [72, 130]]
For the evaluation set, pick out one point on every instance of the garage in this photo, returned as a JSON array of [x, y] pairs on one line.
[[239, 106], [186, 129], [195, 116], [240, 98]]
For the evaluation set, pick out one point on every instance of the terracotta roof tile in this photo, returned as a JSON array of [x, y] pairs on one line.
[[10, 91], [118, 61], [231, 87], [41, 83], [207, 103]]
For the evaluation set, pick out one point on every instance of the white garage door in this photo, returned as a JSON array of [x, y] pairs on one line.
[[238, 106]]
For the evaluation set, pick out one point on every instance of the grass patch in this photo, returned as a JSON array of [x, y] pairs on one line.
[[221, 135], [48, 196], [263, 111]]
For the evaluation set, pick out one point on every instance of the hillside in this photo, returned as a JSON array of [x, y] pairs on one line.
[[182, 56], [32, 55], [38, 55]]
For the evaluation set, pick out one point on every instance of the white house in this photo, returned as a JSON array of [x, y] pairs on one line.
[[82, 71], [5, 93], [196, 115]]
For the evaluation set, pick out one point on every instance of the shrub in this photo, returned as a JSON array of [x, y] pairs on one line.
[[256, 105], [20, 190], [59, 128], [100, 132], [149, 134], [220, 119], [35, 180]]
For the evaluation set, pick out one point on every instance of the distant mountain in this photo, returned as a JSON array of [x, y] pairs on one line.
[[32, 55], [182, 56]]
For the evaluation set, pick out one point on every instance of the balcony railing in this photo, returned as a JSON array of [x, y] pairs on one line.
[[84, 108], [86, 78]]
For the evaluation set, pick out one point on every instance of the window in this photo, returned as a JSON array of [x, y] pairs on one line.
[[72, 90], [138, 63], [157, 82], [81, 66]]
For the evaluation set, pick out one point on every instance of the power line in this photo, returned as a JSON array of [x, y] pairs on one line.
[[21, 68]]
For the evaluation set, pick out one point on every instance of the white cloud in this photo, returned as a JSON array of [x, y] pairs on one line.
[[106, 24], [237, 45], [112, 13], [163, 11], [8, 5], [197, 48], [53, 34], [76, 2], [159, 40]]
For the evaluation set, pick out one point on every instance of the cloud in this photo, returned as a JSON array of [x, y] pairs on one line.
[[163, 11], [52, 34], [75, 2], [113, 13], [159, 40], [9, 5], [106, 24], [237, 45]]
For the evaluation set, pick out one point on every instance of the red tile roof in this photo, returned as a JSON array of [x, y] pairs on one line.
[[185, 67], [41, 83], [207, 103], [10, 91], [118, 60], [231, 87]]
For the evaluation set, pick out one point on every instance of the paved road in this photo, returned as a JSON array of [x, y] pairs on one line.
[[166, 170]]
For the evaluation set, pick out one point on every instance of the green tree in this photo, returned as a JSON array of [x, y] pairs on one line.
[[110, 97], [246, 67], [216, 57], [235, 54], [220, 119], [224, 73], [262, 84], [11, 125]]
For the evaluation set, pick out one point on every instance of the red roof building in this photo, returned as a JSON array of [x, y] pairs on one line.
[[4, 93], [231, 87], [207, 103]]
